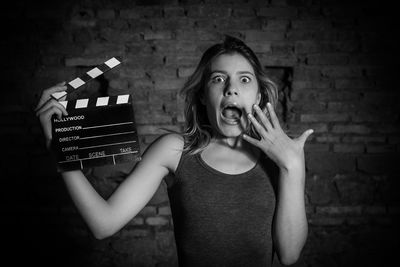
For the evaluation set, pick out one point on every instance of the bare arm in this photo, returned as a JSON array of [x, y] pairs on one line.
[[106, 217], [290, 225]]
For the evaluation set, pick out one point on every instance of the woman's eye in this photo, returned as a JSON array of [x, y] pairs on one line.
[[245, 79], [218, 79]]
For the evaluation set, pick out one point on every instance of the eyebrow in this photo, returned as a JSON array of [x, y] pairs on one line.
[[239, 72]]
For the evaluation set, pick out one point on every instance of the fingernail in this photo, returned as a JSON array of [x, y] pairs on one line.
[[250, 116]]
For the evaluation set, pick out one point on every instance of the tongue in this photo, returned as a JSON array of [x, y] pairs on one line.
[[231, 113]]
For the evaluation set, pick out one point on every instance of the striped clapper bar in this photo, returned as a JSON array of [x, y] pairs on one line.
[[88, 76], [97, 131]]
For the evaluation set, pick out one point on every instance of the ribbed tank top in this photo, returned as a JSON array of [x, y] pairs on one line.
[[222, 219]]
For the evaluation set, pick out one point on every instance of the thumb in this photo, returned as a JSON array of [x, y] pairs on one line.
[[303, 138]]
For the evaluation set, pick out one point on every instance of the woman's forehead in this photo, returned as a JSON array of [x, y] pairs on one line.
[[231, 63]]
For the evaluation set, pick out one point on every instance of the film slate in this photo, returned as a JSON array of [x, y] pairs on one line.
[[97, 131]]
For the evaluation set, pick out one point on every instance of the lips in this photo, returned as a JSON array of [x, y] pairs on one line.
[[231, 113]]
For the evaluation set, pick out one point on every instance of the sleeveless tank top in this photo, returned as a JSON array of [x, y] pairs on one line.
[[222, 219]]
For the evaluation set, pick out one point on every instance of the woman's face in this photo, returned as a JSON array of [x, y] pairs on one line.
[[231, 91]]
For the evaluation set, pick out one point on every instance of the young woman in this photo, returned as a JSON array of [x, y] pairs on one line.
[[236, 183]]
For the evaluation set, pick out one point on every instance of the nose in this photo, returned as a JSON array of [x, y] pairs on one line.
[[231, 89]]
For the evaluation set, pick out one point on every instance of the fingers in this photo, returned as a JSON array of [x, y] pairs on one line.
[[49, 104], [259, 128], [263, 118], [45, 119], [303, 137], [274, 118], [45, 96], [251, 140]]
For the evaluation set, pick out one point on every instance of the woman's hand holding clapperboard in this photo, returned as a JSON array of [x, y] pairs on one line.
[[88, 132]]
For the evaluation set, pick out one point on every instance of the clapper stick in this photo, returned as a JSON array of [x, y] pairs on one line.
[[88, 76]]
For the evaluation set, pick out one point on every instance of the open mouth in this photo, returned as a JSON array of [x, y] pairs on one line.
[[231, 113]]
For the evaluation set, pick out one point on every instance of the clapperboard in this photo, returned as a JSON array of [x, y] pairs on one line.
[[97, 131]]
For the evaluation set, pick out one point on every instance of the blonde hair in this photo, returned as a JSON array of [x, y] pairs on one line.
[[197, 133]]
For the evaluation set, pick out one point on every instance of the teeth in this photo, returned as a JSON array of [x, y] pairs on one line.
[[232, 112]]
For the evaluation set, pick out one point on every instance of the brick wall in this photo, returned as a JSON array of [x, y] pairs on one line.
[[339, 60]]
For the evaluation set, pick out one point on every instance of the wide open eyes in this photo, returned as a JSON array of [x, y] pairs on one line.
[[245, 79], [222, 79], [218, 79]]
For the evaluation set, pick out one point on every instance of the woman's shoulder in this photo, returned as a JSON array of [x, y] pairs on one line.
[[168, 149]]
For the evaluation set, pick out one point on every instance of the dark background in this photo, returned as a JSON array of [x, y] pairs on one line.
[[337, 66]]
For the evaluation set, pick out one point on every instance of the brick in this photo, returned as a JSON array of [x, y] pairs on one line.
[[351, 128], [129, 13], [166, 210], [307, 84], [127, 233], [341, 106], [364, 139], [328, 59], [184, 72], [192, 34], [393, 139], [304, 73], [136, 221], [181, 60], [260, 47], [374, 210], [173, 11], [157, 35], [337, 95], [157, 221], [375, 116], [353, 83], [345, 72], [169, 84], [346, 148], [106, 14], [208, 11], [316, 147], [330, 162], [326, 138], [255, 35], [277, 12], [144, 60], [278, 60], [297, 129], [243, 11], [120, 84], [379, 163], [148, 211], [280, 47], [339, 210], [162, 72], [325, 221], [275, 25], [177, 47], [307, 24], [333, 117], [320, 190], [381, 148]]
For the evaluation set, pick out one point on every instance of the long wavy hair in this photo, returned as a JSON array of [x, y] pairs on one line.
[[197, 133]]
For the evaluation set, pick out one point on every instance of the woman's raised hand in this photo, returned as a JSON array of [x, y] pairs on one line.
[[47, 107], [274, 142]]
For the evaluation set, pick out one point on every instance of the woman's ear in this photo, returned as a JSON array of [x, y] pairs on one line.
[[258, 99]]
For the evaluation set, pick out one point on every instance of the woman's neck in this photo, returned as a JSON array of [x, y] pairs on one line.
[[233, 145]]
